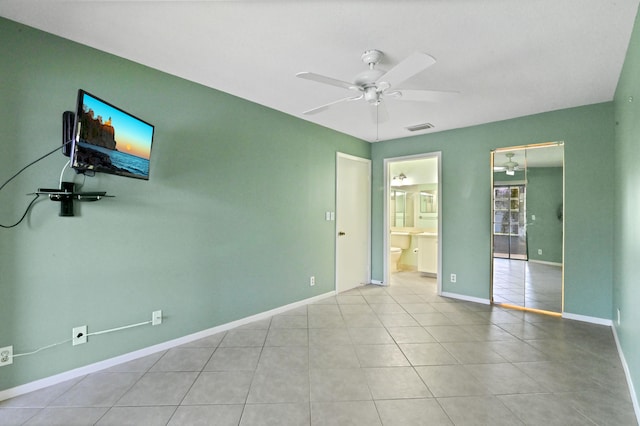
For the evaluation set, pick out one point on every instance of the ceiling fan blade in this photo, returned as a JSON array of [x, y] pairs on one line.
[[327, 106], [326, 80], [412, 65], [426, 95]]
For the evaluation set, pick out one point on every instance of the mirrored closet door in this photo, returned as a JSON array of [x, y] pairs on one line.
[[527, 221]]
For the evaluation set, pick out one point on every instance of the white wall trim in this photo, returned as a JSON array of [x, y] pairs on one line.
[[584, 318], [108, 363], [466, 298], [627, 374]]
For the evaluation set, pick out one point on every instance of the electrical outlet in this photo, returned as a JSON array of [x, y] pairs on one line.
[[454, 278], [79, 335], [312, 281], [618, 319], [156, 318], [6, 356], [539, 251]]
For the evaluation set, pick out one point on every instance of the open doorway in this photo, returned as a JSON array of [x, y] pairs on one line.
[[413, 194]]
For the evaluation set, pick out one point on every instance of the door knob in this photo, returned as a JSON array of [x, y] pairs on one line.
[[340, 234]]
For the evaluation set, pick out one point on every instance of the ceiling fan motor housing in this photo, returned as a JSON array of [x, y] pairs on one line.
[[368, 78]]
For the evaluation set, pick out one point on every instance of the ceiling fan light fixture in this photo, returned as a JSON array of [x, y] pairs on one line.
[[371, 95], [510, 172], [422, 126]]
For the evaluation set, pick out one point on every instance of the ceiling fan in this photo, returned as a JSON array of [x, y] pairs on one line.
[[374, 85], [510, 167]]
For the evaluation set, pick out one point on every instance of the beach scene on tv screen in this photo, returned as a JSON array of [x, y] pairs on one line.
[[112, 141]]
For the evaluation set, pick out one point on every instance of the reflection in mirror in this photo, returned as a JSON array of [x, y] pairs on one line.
[[527, 226], [398, 208], [414, 206], [428, 201]]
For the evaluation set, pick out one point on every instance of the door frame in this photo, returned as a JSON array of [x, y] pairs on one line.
[[367, 213], [387, 192]]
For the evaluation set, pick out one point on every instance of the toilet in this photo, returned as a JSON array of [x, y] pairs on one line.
[[399, 241], [394, 258]]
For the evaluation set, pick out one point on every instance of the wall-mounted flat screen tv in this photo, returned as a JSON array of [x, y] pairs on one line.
[[110, 140]]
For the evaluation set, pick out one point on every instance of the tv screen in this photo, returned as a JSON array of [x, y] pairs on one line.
[[110, 140]]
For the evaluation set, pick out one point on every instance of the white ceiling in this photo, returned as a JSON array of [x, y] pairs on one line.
[[506, 58]]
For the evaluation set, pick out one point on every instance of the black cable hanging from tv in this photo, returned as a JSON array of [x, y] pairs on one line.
[[66, 143]]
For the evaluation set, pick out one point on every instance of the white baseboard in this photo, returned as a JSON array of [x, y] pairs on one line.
[[545, 262], [627, 374], [121, 359], [465, 298], [584, 318]]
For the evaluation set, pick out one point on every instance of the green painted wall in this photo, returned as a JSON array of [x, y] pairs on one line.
[[626, 249], [544, 199], [466, 196], [230, 224], [500, 177]]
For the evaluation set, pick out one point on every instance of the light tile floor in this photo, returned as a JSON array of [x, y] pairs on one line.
[[529, 284], [399, 355]]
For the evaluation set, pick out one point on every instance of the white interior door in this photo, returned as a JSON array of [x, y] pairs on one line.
[[353, 221]]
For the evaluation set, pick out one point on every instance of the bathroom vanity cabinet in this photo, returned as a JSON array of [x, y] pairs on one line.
[[428, 253]]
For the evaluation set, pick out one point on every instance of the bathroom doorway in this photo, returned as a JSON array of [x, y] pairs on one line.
[[412, 243]]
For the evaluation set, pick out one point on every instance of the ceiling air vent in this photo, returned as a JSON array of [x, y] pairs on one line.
[[423, 126]]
